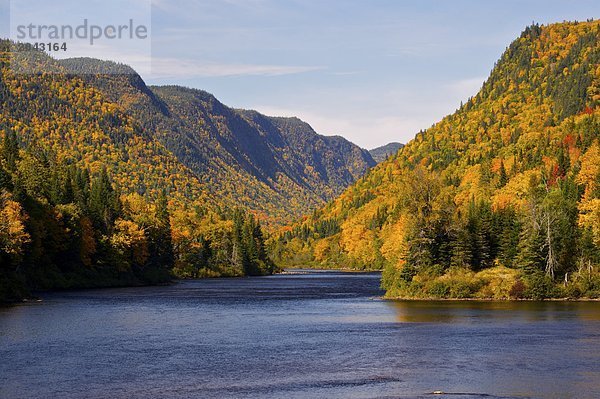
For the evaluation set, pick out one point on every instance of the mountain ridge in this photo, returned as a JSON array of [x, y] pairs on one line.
[[105, 181], [505, 186], [285, 167]]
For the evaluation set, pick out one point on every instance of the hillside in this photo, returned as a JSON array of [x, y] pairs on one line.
[[89, 197], [279, 168], [380, 154], [104, 181], [500, 199]]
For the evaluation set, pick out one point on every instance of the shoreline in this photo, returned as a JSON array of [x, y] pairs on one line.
[[407, 299], [315, 269]]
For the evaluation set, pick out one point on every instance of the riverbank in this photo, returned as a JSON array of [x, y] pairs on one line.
[[495, 283], [307, 270], [17, 288], [405, 299]]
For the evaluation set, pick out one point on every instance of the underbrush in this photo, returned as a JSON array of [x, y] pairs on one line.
[[496, 283]]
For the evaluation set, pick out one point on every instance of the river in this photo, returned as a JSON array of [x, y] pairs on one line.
[[307, 335]]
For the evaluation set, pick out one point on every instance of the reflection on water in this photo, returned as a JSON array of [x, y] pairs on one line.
[[479, 311], [310, 335]]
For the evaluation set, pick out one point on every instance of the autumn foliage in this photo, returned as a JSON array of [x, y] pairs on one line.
[[510, 180]]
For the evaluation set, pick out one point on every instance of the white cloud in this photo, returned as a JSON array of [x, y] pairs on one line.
[[163, 68]]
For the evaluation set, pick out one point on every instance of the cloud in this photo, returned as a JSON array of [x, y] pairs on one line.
[[179, 68]]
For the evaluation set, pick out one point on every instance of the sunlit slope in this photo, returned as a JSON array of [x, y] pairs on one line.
[[511, 178], [279, 168]]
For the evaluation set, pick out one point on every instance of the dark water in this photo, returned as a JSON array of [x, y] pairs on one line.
[[318, 335]]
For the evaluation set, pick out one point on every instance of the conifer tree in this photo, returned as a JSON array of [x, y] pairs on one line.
[[10, 150]]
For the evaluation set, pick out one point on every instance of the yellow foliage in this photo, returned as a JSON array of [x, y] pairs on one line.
[[393, 236], [590, 169], [471, 187], [515, 192], [589, 217], [322, 249], [131, 239], [357, 241], [13, 235]]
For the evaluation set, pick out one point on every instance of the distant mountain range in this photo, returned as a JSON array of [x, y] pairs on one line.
[[279, 168], [380, 154], [106, 181]]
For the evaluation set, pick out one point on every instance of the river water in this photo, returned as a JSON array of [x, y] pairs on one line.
[[308, 335]]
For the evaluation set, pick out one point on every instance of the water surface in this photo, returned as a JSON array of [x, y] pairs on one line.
[[315, 335]]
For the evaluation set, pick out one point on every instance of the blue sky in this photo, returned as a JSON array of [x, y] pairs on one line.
[[372, 71]]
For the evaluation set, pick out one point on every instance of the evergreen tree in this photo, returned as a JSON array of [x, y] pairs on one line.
[[5, 179], [10, 150], [509, 231], [163, 254], [503, 176], [103, 202]]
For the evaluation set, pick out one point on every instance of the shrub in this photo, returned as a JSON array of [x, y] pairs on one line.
[[462, 289], [571, 291], [438, 289], [539, 286], [517, 291]]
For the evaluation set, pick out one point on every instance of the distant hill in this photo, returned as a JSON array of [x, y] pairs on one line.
[[380, 154], [500, 199], [278, 167]]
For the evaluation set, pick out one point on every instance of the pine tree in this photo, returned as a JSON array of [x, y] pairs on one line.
[[161, 238], [5, 179], [530, 256], [503, 176], [81, 188], [10, 150], [509, 230], [104, 204]]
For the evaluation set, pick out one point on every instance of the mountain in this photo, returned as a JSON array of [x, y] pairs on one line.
[[500, 199], [278, 167], [105, 181], [380, 154]]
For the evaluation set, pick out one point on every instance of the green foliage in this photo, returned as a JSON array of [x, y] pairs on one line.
[[539, 286]]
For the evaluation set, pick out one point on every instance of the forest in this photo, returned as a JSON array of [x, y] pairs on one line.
[[105, 181], [89, 199], [65, 227], [498, 200]]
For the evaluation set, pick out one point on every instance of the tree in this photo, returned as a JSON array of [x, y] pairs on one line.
[[161, 242], [10, 150], [503, 176], [104, 203], [13, 233], [130, 240]]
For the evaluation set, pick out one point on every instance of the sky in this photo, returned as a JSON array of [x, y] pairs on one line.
[[372, 71]]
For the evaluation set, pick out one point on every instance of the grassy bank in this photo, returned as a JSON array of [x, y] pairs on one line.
[[497, 283]]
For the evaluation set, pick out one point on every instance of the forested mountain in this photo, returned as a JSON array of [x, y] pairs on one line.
[[500, 199], [380, 154], [104, 181], [278, 167]]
